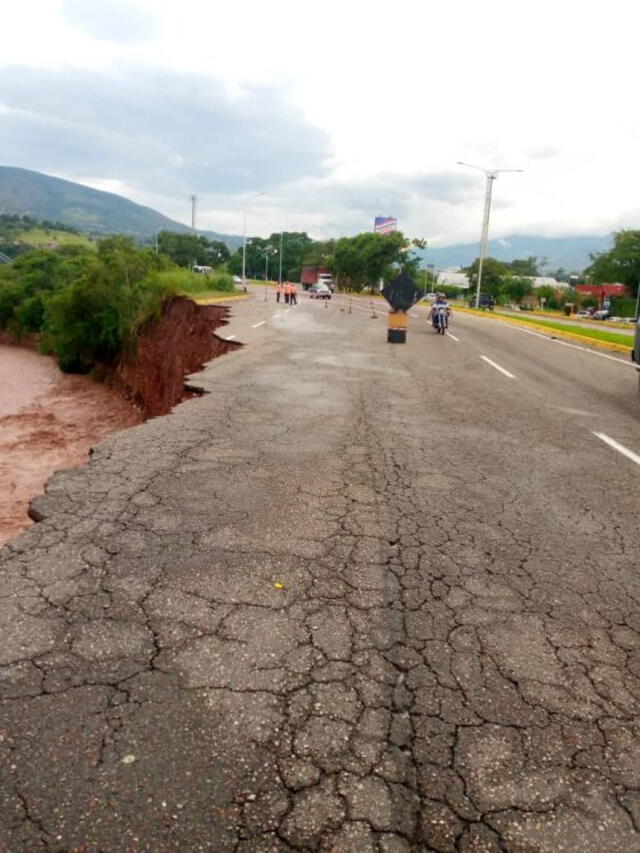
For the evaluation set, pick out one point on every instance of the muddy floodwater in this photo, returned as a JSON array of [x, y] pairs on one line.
[[48, 421]]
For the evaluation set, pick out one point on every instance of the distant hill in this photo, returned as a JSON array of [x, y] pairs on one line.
[[570, 253], [44, 197]]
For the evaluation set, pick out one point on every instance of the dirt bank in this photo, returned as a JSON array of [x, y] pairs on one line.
[[180, 343], [50, 420]]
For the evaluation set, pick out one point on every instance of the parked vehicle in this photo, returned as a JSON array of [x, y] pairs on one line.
[[319, 291], [486, 301], [603, 314]]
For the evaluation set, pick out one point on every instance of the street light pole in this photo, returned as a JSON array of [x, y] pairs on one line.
[[244, 240], [280, 274], [491, 175]]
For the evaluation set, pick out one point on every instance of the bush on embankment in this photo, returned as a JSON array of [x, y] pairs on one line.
[[88, 307]]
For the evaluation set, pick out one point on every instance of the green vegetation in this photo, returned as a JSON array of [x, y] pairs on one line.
[[356, 262], [297, 248], [363, 260], [621, 264], [188, 249], [37, 237], [20, 233], [88, 306], [184, 281]]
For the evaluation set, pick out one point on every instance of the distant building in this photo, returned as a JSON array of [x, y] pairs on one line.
[[549, 281], [454, 277], [602, 292]]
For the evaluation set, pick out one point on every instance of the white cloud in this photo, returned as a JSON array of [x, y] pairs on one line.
[[394, 94]]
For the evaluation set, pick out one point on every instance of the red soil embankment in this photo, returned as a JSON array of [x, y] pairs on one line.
[[50, 420], [179, 344]]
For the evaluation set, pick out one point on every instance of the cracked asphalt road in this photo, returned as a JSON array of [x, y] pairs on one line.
[[357, 598]]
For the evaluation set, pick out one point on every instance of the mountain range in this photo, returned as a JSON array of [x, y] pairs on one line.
[[553, 253], [44, 197]]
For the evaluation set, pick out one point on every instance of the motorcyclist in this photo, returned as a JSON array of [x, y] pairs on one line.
[[440, 309]]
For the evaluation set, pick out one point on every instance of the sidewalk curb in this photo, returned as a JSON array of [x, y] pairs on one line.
[[550, 333]]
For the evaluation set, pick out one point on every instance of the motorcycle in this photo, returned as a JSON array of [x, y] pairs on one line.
[[440, 322]]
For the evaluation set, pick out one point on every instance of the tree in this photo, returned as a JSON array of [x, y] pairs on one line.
[[524, 267], [621, 263], [188, 249], [296, 246], [516, 287], [549, 294], [366, 258], [493, 272]]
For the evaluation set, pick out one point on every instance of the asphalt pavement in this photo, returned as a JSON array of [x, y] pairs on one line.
[[356, 597]]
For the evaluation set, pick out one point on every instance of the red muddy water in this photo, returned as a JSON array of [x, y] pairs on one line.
[[48, 421]]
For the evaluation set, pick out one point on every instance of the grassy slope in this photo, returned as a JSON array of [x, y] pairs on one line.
[[42, 237]]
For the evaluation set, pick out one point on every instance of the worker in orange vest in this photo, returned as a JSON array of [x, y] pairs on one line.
[[293, 294], [278, 290], [287, 292]]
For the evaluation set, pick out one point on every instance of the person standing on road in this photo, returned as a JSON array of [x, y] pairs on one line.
[[287, 292], [278, 290], [293, 295]]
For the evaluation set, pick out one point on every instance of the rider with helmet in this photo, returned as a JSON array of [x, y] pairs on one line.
[[439, 314]]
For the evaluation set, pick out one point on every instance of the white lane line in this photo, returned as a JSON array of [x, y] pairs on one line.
[[453, 337], [619, 447], [279, 314], [230, 338], [497, 367], [261, 323]]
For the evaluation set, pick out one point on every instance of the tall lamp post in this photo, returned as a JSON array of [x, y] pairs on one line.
[[281, 239], [491, 175], [244, 239]]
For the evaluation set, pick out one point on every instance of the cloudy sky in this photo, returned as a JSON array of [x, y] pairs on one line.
[[337, 111]]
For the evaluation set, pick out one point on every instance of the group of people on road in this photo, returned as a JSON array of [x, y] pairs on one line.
[[288, 290]]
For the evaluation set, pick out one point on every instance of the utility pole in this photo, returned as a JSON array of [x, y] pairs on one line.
[[280, 274], [194, 199], [244, 240], [491, 176]]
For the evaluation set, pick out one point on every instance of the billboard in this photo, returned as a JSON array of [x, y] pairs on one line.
[[385, 224]]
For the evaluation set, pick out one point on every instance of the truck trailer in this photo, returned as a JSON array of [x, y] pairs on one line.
[[312, 274]]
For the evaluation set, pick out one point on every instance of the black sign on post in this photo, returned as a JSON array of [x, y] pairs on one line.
[[401, 293]]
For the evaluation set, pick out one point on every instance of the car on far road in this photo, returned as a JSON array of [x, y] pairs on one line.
[[601, 315], [583, 315], [319, 291]]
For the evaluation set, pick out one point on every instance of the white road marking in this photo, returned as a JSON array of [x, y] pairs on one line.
[[279, 314], [497, 367], [230, 338], [619, 447], [261, 323], [453, 337]]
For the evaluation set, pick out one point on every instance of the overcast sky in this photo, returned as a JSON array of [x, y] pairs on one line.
[[337, 111]]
